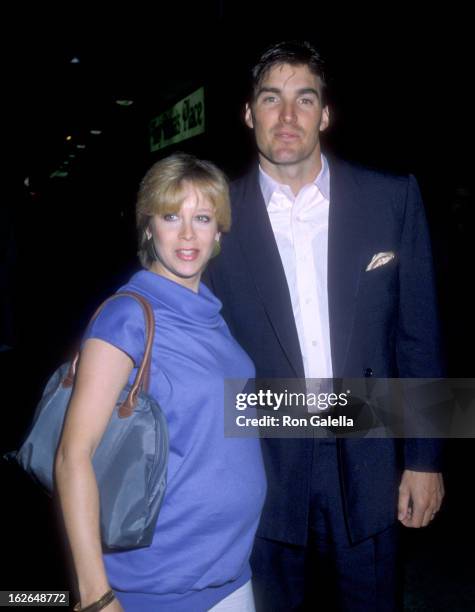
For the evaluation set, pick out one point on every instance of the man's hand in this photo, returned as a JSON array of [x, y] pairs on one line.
[[420, 497]]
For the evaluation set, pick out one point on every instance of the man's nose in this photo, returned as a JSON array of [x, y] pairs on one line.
[[288, 114]]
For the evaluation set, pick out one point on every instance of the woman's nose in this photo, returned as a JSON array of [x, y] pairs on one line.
[[187, 231]]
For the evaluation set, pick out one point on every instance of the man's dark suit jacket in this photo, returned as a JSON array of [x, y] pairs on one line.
[[382, 323]]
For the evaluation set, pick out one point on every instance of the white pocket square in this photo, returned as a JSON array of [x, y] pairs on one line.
[[380, 259]]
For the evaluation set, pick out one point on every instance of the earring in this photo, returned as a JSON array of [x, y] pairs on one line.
[[216, 248]]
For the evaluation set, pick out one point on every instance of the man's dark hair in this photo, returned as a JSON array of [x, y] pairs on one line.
[[292, 52]]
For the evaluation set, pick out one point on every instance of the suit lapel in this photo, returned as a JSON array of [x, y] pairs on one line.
[[345, 236], [345, 241], [262, 257]]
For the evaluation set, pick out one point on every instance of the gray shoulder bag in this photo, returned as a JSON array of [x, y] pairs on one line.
[[131, 460]]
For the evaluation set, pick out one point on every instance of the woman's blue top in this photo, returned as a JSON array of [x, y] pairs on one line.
[[216, 485]]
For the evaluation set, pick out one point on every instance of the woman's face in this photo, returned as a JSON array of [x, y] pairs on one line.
[[184, 240]]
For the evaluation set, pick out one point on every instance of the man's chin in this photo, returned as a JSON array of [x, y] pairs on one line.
[[286, 161], [283, 158]]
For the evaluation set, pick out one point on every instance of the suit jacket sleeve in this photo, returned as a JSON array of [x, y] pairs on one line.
[[418, 342]]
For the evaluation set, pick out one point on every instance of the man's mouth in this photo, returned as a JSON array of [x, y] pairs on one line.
[[286, 135]]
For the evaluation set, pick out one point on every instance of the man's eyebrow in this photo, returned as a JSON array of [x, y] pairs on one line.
[[300, 92], [308, 90], [265, 89]]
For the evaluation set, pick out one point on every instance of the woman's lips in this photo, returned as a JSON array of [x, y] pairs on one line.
[[187, 254]]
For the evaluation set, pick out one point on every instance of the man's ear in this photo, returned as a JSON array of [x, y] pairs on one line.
[[325, 120], [248, 116]]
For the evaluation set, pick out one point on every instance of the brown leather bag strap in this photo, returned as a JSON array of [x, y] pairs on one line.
[[142, 377]]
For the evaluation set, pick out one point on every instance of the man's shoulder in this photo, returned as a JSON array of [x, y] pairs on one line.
[[346, 174], [343, 168], [245, 185], [366, 175]]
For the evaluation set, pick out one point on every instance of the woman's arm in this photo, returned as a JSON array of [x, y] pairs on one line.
[[102, 374]]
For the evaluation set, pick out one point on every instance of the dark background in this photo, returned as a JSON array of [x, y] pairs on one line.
[[401, 100]]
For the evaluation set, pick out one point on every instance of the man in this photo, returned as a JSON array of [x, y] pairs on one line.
[[327, 273]]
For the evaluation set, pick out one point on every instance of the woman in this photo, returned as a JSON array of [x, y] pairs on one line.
[[199, 557]]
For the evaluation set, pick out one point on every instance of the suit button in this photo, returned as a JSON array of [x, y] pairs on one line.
[[368, 373]]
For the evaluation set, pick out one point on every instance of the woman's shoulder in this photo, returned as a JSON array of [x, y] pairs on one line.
[[120, 321]]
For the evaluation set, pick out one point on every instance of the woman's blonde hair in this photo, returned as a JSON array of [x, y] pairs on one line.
[[163, 188]]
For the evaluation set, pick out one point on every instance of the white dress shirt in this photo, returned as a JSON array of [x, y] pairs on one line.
[[300, 226]]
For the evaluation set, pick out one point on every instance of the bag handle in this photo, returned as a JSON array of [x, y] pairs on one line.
[[142, 378]]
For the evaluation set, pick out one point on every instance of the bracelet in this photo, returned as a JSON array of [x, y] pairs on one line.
[[104, 601]]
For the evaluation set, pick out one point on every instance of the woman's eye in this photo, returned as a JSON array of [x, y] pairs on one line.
[[204, 218], [170, 217]]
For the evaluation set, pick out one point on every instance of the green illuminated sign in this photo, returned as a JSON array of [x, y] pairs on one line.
[[182, 121]]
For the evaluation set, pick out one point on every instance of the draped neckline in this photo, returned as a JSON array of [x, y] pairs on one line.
[[201, 307]]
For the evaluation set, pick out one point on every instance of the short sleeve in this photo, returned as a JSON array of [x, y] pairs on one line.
[[121, 323]]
